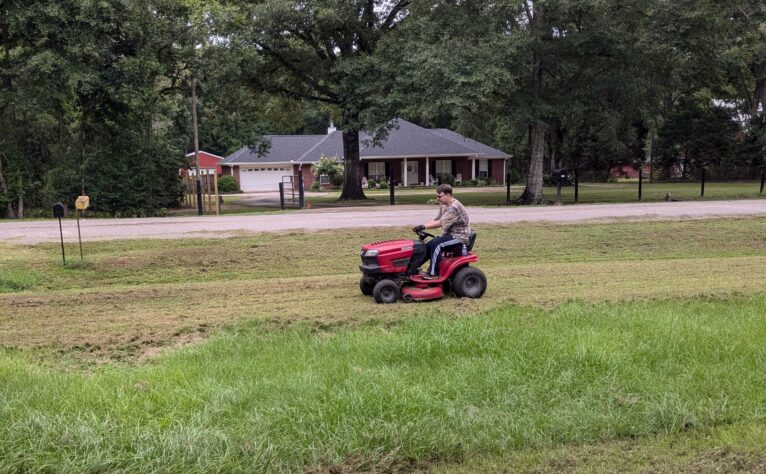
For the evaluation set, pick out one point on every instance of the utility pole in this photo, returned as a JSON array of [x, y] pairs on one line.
[[196, 143]]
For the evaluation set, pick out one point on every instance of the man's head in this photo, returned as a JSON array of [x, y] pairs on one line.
[[444, 194]]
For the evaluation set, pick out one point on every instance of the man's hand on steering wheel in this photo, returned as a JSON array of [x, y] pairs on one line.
[[419, 228]]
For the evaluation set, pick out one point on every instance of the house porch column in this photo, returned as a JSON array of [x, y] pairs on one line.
[[404, 173], [428, 173]]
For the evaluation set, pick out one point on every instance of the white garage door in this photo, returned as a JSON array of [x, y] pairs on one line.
[[263, 179]]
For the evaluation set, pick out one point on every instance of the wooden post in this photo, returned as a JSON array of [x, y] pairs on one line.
[[209, 195], [196, 142], [217, 198]]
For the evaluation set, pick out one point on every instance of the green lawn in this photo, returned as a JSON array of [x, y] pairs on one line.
[[597, 347], [588, 193]]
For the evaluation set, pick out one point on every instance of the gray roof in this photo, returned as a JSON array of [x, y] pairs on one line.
[[404, 140], [485, 150]]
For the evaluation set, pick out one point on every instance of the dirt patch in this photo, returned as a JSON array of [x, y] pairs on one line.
[[727, 460]]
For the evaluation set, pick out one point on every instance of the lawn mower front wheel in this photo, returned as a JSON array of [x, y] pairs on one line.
[[386, 292], [367, 284]]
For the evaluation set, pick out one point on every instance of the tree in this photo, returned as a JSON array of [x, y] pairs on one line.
[[323, 51]]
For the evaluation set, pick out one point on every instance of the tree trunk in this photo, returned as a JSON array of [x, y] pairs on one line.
[[20, 205], [648, 152], [4, 189], [352, 181], [533, 193], [759, 96]]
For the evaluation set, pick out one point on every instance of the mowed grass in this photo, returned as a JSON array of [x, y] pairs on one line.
[[598, 347], [134, 297]]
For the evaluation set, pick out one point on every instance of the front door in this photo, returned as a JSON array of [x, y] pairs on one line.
[[412, 173]]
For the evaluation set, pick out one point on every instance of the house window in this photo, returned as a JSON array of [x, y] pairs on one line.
[[324, 179], [443, 168], [377, 170], [483, 169]]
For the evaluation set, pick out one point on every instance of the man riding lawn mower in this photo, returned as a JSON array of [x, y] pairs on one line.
[[391, 268]]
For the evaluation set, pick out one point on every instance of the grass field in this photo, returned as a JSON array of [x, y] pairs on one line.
[[589, 193], [597, 347]]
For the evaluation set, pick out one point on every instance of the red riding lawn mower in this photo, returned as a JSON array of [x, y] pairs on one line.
[[390, 271]]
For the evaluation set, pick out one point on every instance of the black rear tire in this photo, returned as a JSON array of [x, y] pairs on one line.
[[367, 284], [469, 283], [386, 292]]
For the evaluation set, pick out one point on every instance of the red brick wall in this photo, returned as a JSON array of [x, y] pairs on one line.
[[308, 176], [498, 171], [236, 175]]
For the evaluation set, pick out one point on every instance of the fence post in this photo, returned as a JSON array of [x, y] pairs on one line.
[[640, 181], [281, 195], [507, 188], [301, 196], [763, 175], [577, 185], [702, 186], [391, 187], [199, 196]]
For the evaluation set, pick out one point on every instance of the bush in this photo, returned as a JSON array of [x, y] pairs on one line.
[[315, 186], [371, 183], [383, 184], [330, 166], [227, 184]]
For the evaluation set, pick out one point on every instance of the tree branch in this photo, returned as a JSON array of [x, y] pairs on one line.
[[389, 21], [297, 72]]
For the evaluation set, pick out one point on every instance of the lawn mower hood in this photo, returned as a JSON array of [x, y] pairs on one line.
[[393, 256]]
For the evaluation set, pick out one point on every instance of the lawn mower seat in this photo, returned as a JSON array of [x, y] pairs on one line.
[[471, 240]]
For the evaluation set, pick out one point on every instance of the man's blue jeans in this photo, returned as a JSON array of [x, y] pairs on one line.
[[437, 246]]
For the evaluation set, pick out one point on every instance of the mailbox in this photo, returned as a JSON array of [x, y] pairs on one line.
[[59, 210], [82, 203], [560, 176]]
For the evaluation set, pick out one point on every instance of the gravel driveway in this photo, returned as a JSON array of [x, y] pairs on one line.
[[31, 232]]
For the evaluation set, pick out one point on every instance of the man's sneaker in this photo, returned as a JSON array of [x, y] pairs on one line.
[[428, 276]]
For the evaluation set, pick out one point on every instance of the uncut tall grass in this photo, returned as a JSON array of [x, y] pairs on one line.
[[434, 388]]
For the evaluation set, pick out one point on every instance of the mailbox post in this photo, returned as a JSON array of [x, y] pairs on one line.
[[59, 212], [80, 204], [559, 176]]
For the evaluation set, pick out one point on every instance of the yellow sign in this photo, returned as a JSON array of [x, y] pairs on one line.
[[82, 203]]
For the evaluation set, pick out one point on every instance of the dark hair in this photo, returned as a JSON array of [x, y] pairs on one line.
[[444, 189]]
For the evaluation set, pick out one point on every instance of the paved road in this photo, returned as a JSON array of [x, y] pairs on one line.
[[399, 216]]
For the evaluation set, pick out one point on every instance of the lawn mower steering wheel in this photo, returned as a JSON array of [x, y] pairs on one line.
[[423, 234]]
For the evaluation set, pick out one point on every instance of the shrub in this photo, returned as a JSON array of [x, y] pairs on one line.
[[315, 186], [330, 166], [227, 184], [383, 184], [371, 183]]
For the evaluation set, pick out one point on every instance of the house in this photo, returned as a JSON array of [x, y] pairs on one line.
[[411, 155], [628, 171], [208, 164]]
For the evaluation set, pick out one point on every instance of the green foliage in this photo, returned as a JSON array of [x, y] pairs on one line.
[[329, 166], [227, 184], [383, 184]]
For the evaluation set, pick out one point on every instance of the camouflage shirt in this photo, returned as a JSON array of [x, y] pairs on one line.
[[454, 221]]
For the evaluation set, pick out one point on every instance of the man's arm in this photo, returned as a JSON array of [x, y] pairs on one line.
[[434, 224]]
